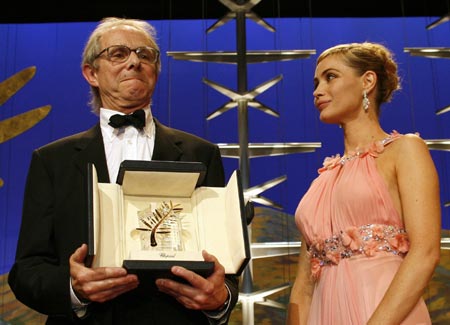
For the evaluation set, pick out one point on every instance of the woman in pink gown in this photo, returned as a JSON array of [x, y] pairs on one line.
[[371, 220]]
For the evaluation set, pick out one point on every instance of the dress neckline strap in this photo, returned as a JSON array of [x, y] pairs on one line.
[[374, 149]]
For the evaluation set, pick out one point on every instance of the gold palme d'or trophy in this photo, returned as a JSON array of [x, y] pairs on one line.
[[160, 229]]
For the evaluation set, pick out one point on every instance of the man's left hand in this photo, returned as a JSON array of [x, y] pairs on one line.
[[202, 293]]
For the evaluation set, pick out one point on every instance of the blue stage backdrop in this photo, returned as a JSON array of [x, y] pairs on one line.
[[183, 101]]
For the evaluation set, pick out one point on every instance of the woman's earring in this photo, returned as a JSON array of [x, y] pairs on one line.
[[366, 101]]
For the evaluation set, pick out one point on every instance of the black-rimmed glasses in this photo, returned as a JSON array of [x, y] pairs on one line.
[[121, 53]]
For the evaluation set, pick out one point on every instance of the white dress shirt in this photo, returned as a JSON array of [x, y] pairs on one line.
[[126, 143]]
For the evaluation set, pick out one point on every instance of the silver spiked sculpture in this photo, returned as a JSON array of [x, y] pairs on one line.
[[241, 99]]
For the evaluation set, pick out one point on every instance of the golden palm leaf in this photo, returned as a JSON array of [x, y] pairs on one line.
[[18, 124]]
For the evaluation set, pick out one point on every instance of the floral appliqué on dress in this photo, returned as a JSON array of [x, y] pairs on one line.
[[374, 150], [366, 240]]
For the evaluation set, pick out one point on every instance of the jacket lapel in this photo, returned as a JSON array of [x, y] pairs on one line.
[[167, 144], [91, 150]]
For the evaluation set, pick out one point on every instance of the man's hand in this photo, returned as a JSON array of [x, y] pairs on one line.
[[203, 294], [98, 284]]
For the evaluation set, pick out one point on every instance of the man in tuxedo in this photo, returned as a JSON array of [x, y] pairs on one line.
[[121, 63]]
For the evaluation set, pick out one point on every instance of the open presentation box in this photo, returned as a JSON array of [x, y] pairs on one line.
[[157, 216]]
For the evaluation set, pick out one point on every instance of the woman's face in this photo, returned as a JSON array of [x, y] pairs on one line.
[[338, 91]]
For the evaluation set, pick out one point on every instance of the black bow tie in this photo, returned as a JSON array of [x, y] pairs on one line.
[[137, 119]]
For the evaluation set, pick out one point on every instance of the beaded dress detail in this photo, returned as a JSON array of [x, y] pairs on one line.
[[355, 237]]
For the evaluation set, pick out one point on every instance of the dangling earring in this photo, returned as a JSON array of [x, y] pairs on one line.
[[365, 102]]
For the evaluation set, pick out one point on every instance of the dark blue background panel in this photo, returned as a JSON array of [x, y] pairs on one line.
[[183, 101]]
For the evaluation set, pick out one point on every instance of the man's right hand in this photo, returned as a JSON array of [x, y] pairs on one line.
[[98, 284]]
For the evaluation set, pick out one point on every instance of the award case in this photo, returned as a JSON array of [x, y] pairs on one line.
[[121, 218]]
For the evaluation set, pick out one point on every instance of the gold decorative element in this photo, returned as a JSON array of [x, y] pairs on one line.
[[14, 83], [18, 124]]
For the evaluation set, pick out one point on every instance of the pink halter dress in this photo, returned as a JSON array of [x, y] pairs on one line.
[[355, 237]]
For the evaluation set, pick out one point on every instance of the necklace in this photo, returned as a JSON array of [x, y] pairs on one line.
[[352, 156], [375, 147]]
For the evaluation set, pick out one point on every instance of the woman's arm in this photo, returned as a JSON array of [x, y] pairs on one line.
[[418, 187], [301, 292]]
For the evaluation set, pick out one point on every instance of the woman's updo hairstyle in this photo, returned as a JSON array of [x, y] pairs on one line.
[[374, 57]]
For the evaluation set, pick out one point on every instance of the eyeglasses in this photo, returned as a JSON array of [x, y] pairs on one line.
[[121, 53]]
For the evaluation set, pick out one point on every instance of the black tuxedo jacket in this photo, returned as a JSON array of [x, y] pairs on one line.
[[54, 225]]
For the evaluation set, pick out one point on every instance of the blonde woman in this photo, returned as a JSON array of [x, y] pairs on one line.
[[371, 220]]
